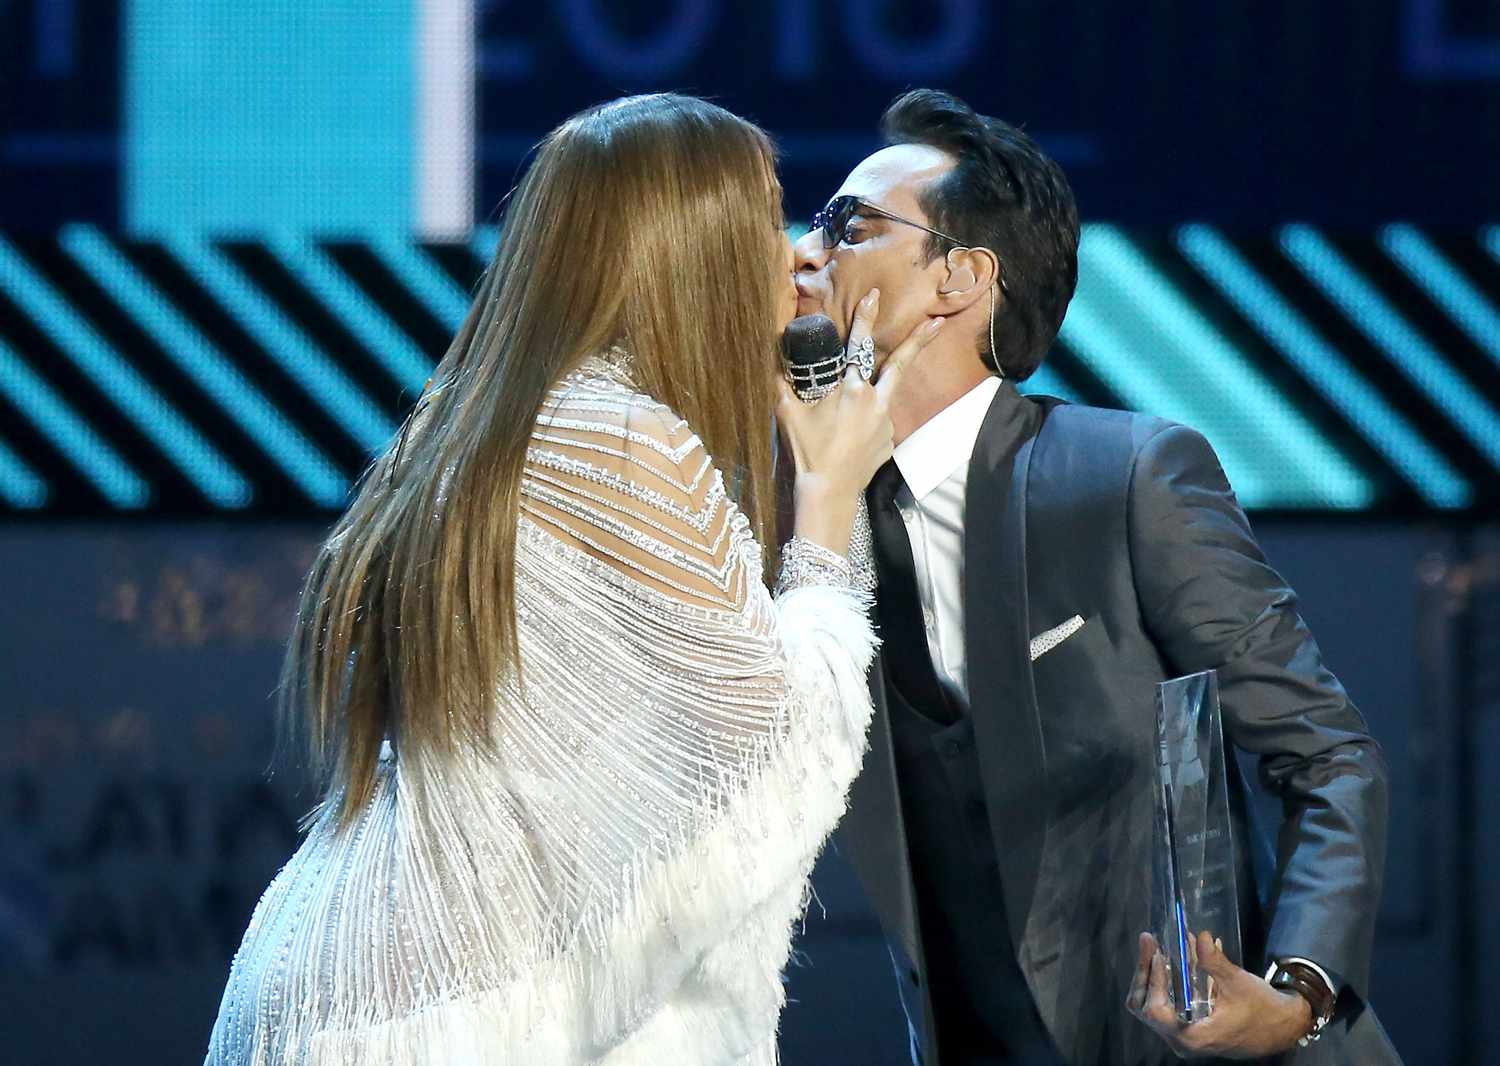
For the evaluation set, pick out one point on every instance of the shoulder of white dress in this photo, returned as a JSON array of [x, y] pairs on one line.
[[587, 404]]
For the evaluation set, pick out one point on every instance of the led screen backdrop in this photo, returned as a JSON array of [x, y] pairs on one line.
[[234, 236]]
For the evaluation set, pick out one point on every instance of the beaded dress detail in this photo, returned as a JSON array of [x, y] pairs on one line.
[[616, 881]]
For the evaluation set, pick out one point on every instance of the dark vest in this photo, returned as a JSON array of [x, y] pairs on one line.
[[982, 1008]]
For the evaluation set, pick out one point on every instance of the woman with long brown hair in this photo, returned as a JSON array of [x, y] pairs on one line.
[[578, 760]]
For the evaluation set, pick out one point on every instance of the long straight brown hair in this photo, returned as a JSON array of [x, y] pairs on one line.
[[652, 223]]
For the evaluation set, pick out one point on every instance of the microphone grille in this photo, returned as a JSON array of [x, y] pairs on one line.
[[811, 339]]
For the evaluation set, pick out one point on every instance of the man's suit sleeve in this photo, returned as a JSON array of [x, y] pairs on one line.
[[1211, 601]]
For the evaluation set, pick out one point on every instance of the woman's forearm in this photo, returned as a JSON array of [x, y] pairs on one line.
[[825, 512]]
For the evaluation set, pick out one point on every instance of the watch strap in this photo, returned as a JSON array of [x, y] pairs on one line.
[[1312, 984]]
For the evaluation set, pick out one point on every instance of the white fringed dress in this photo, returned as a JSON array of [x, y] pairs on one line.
[[617, 881]]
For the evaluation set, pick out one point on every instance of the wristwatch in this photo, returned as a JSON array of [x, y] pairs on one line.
[[1310, 982]]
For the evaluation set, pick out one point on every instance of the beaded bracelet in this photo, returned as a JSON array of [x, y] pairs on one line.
[[805, 563]]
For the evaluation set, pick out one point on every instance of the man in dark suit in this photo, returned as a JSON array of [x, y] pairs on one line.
[[1042, 567]]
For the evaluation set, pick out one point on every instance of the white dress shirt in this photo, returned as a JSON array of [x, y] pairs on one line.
[[934, 463]]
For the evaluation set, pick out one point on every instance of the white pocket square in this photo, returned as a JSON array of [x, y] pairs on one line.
[[1045, 642]]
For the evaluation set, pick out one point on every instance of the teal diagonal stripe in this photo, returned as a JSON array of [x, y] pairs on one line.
[[415, 269], [1398, 339], [197, 357], [187, 449], [1337, 381], [371, 326], [484, 243], [1446, 285], [114, 478], [20, 486], [1148, 342], [287, 345]]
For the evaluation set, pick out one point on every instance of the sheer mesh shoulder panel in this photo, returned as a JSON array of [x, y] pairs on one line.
[[629, 482]]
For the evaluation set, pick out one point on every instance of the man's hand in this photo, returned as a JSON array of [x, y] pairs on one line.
[[1250, 1018]]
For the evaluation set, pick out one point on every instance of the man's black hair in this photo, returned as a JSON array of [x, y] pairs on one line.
[[1005, 195]]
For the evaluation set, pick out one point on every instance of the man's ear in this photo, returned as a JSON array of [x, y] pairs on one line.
[[968, 275]]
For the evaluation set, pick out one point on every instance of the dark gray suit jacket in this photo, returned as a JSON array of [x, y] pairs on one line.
[[1129, 522]]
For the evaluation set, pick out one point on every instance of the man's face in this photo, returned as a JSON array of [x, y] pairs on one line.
[[877, 252]]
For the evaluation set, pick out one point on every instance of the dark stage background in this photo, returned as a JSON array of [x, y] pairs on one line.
[[235, 235]]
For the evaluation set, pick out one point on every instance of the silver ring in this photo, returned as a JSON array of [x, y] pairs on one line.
[[862, 355]]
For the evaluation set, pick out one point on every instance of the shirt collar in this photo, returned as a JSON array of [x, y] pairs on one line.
[[945, 442]]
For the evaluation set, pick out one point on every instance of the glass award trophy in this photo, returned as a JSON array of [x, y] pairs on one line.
[[1193, 867]]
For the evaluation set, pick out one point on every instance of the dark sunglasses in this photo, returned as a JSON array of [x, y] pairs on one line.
[[834, 220]]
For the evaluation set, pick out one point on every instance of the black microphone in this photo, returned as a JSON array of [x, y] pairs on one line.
[[814, 359], [812, 353]]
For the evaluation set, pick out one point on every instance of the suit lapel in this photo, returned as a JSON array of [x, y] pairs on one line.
[[1002, 693]]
